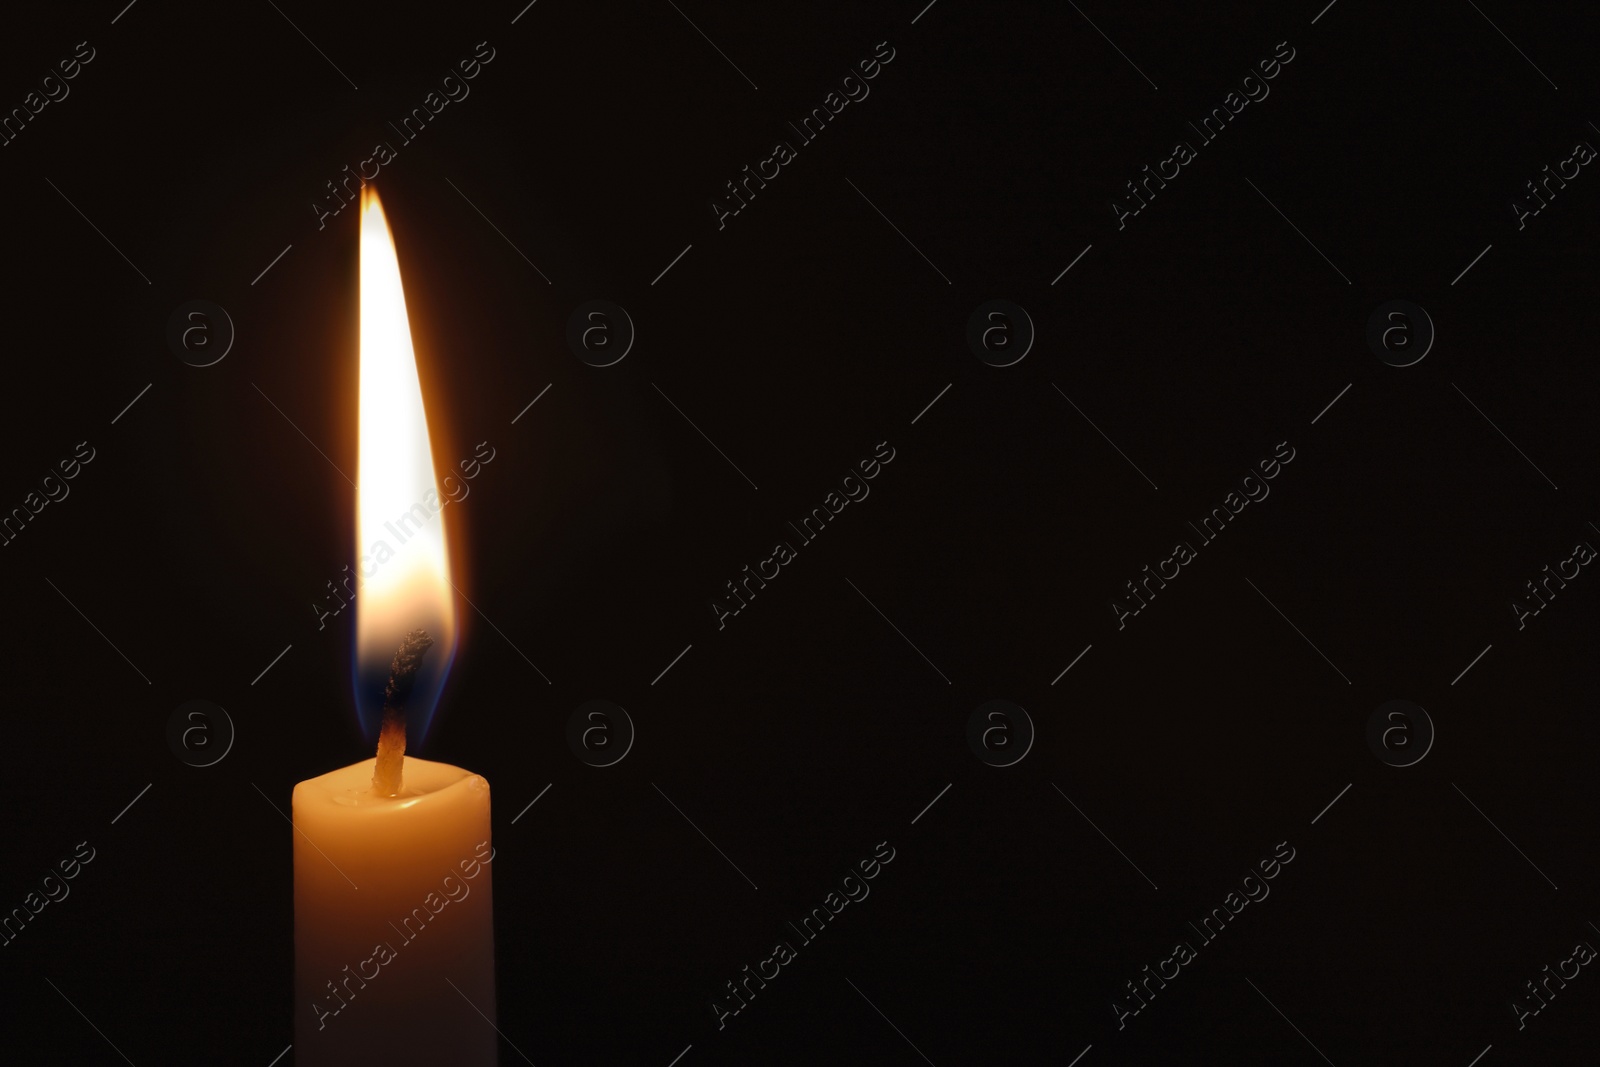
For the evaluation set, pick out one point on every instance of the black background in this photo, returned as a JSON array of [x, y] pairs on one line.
[[797, 338]]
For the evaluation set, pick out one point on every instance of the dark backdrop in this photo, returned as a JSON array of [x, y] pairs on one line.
[[1177, 352]]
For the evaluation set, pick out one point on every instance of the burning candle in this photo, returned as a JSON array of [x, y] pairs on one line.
[[393, 900]]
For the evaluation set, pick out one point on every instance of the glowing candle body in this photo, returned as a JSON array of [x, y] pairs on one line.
[[393, 905]]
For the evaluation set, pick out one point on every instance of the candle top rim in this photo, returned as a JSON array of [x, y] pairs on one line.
[[351, 786]]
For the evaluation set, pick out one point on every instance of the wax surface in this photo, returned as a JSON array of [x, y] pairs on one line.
[[394, 921]]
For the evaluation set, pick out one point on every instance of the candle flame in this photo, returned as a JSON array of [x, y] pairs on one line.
[[400, 536]]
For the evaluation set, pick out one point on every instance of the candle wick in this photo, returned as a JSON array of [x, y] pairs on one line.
[[386, 778]]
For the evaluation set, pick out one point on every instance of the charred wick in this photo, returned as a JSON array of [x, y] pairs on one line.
[[403, 674], [388, 771]]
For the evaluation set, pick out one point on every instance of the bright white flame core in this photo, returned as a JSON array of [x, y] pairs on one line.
[[397, 502]]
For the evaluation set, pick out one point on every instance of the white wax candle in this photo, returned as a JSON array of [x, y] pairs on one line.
[[394, 919]]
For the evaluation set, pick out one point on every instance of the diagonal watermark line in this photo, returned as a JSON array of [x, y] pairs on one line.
[[501, 232], [890, 1021], [702, 833], [713, 44], [131, 803], [280, 1055], [1113, 44], [524, 11], [124, 11], [898, 230], [899, 631], [1469, 666], [931, 803], [263, 274], [86, 1019], [1102, 433], [532, 402], [702, 433], [1289, 1021], [1301, 632], [1074, 263], [99, 631], [271, 665], [490, 1021], [1331, 803], [531, 803], [1332, 402], [924, 11], [1502, 433], [1502, 833], [1324, 11], [502, 633], [302, 433], [680, 1055], [1102, 833], [1474, 262], [132, 402], [674, 263], [302, 833], [1513, 44], [671, 665], [101, 232], [1071, 665], [1080, 1055], [1298, 230], [1480, 1055], [932, 402], [313, 44]]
